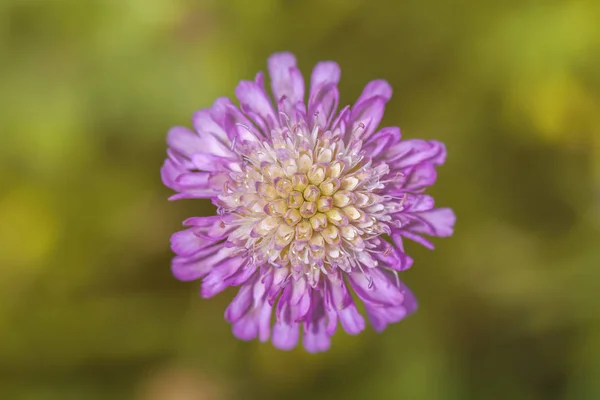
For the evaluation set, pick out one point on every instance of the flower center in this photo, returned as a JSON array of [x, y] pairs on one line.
[[306, 202]]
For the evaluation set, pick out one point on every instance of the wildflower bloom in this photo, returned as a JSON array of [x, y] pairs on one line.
[[312, 203]]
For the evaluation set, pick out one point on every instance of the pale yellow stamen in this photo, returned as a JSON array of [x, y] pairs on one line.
[[325, 156], [308, 209], [352, 212], [299, 182], [272, 171], [361, 199], [316, 174], [329, 186], [349, 232], [317, 242], [342, 198], [292, 217], [311, 193], [303, 231], [336, 217], [331, 234], [295, 199], [335, 169], [349, 183], [267, 191], [276, 208], [304, 162], [325, 204], [266, 225], [289, 166], [319, 221], [283, 186], [283, 236]]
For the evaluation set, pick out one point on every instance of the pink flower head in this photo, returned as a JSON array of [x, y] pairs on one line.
[[312, 203]]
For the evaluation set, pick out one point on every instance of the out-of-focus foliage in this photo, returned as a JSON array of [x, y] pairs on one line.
[[508, 306]]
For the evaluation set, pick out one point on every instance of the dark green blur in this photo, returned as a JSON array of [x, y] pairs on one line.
[[509, 306]]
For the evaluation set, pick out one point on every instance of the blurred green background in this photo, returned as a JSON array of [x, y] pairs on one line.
[[509, 306]]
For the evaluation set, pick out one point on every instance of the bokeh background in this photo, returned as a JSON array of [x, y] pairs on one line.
[[509, 306]]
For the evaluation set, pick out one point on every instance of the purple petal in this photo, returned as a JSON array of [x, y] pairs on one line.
[[415, 151], [237, 127], [419, 239], [246, 328], [264, 322], [315, 338], [323, 107], [189, 184], [240, 303], [413, 179], [190, 268], [193, 180], [254, 323], [176, 176], [324, 73], [416, 203], [169, 173], [193, 194], [294, 303], [324, 95], [341, 122], [381, 316], [366, 260], [366, 117], [302, 307], [368, 110], [338, 300], [376, 287], [410, 301], [436, 222], [185, 269], [211, 228], [214, 139], [283, 309], [256, 104], [376, 88], [184, 141], [256, 319], [213, 163], [350, 319], [285, 337], [216, 281], [338, 295], [201, 221], [331, 320], [393, 257], [280, 276], [286, 79], [299, 290], [420, 176], [242, 275], [186, 243], [381, 140]]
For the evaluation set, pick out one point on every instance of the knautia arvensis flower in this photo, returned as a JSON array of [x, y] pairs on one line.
[[311, 203]]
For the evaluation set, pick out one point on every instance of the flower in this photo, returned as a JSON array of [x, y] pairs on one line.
[[312, 203]]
